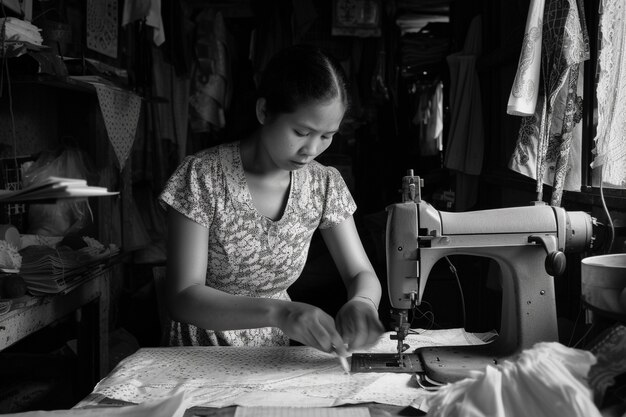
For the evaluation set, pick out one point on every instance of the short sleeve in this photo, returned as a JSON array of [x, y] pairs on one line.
[[339, 204], [190, 190]]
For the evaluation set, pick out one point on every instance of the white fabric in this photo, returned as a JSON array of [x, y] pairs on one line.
[[610, 146], [545, 381], [549, 140], [434, 129], [15, 29], [524, 157], [298, 376], [523, 97]]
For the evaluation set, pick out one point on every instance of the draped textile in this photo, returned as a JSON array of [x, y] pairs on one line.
[[466, 138], [610, 146], [523, 97], [150, 10], [549, 143], [211, 83]]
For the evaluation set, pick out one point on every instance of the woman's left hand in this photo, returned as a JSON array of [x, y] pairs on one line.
[[358, 324]]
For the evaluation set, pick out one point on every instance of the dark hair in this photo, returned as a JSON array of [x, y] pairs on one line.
[[301, 74]]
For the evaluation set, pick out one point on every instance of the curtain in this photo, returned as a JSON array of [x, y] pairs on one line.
[[610, 145]]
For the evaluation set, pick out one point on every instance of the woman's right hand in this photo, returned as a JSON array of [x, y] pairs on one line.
[[311, 326]]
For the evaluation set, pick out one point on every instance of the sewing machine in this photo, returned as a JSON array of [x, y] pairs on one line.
[[526, 242]]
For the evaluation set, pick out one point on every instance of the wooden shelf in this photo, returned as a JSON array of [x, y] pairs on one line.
[[91, 299]]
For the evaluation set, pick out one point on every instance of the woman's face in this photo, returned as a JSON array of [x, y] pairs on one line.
[[292, 140]]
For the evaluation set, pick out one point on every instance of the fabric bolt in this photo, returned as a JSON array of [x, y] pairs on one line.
[[549, 143], [120, 110], [523, 97], [610, 147], [545, 381], [250, 254]]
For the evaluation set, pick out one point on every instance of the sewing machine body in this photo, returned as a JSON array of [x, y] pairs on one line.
[[526, 242]]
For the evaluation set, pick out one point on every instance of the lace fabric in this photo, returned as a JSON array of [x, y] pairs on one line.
[[523, 97], [549, 143], [610, 146]]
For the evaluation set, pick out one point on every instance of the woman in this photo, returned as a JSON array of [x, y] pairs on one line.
[[241, 216]]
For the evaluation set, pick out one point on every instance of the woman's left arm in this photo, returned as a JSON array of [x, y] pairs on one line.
[[357, 321]]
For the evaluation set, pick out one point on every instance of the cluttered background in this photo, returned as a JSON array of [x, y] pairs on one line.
[[117, 93]]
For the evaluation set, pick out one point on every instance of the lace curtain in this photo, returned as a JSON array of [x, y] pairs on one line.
[[610, 145]]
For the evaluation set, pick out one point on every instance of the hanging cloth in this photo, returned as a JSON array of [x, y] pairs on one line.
[[466, 137], [150, 10], [210, 90], [610, 147], [429, 117], [549, 143], [120, 110], [523, 97]]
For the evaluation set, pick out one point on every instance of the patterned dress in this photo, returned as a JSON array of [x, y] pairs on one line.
[[248, 253]]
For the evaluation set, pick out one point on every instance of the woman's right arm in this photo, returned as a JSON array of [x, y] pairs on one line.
[[189, 300]]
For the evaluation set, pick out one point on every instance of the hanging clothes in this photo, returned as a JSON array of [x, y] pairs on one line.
[[549, 144], [429, 117], [148, 10], [610, 147], [466, 139], [211, 81], [523, 97], [173, 110]]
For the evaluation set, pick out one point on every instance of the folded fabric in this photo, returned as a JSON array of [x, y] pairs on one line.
[[19, 30], [547, 380]]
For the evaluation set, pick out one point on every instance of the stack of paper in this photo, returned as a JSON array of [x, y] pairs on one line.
[[54, 188], [49, 270]]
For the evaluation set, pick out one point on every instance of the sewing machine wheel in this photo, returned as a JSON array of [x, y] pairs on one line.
[[385, 362]]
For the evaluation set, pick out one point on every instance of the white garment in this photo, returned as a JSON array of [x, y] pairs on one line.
[[610, 146], [524, 158], [545, 381], [525, 90], [434, 129]]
